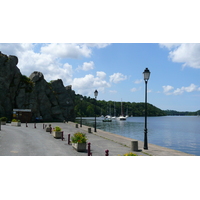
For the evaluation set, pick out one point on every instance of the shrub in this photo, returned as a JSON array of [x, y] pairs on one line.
[[4, 119], [57, 128], [79, 138], [130, 154], [15, 120]]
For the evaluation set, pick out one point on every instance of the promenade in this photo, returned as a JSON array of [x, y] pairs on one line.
[[31, 141]]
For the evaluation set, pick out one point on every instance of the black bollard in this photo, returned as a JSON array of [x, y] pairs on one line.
[[68, 138], [89, 153], [62, 137]]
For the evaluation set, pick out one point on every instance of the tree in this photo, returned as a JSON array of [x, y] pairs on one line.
[[85, 108], [90, 111]]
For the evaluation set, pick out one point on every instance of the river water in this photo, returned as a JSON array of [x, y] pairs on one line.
[[175, 132]]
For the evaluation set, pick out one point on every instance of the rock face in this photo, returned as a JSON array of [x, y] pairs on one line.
[[51, 101]]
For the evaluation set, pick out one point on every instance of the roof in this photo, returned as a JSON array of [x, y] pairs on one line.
[[21, 110]]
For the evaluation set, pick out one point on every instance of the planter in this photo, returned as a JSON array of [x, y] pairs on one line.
[[3, 123], [57, 134], [80, 147], [15, 123], [48, 129]]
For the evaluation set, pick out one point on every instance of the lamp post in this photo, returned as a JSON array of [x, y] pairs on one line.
[[81, 112], [67, 111], [95, 123], [146, 74]]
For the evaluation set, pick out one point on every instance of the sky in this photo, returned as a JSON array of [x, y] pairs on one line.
[[116, 70]]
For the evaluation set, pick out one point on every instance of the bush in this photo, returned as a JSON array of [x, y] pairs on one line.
[[15, 120], [4, 119], [57, 128], [79, 138], [130, 154]]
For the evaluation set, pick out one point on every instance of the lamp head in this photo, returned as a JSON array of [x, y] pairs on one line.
[[95, 93], [146, 74]]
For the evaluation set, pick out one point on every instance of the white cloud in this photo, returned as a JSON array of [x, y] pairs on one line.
[[117, 77], [138, 81], [15, 48], [179, 91], [169, 45], [65, 50], [149, 91], [65, 73], [188, 54], [167, 88], [98, 45], [134, 89], [190, 88], [113, 91], [101, 75], [86, 66], [88, 84]]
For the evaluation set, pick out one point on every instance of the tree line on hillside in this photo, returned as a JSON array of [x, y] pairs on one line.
[[181, 113], [86, 108]]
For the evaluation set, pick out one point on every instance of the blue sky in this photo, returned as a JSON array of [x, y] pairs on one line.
[[116, 70]]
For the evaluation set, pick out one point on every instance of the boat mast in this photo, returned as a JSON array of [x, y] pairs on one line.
[[114, 110], [122, 114]]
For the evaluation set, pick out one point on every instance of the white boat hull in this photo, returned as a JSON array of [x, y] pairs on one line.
[[122, 118]]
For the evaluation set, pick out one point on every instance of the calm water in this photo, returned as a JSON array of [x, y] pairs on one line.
[[175, 132]]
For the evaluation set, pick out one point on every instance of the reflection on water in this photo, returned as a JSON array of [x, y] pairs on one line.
[[179, 133]]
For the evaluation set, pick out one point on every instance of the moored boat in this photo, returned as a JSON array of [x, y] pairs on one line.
[[107, 119], [121, 117]]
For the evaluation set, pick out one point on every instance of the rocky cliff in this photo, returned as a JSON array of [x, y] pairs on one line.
[[51, 101]]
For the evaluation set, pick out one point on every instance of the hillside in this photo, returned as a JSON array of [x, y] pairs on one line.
[[86, 107], [181, 113]]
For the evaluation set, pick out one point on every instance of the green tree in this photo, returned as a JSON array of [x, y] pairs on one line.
[[90, 111]]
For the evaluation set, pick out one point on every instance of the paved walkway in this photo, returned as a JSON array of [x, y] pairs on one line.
[[30, 141]]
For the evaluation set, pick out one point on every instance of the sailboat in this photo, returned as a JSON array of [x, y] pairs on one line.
[[107, 118], [121, 117], [127, 113]]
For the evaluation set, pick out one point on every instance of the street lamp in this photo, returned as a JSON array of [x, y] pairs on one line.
[[146, 74], [95, 123], [81, 112], [67, 111]]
